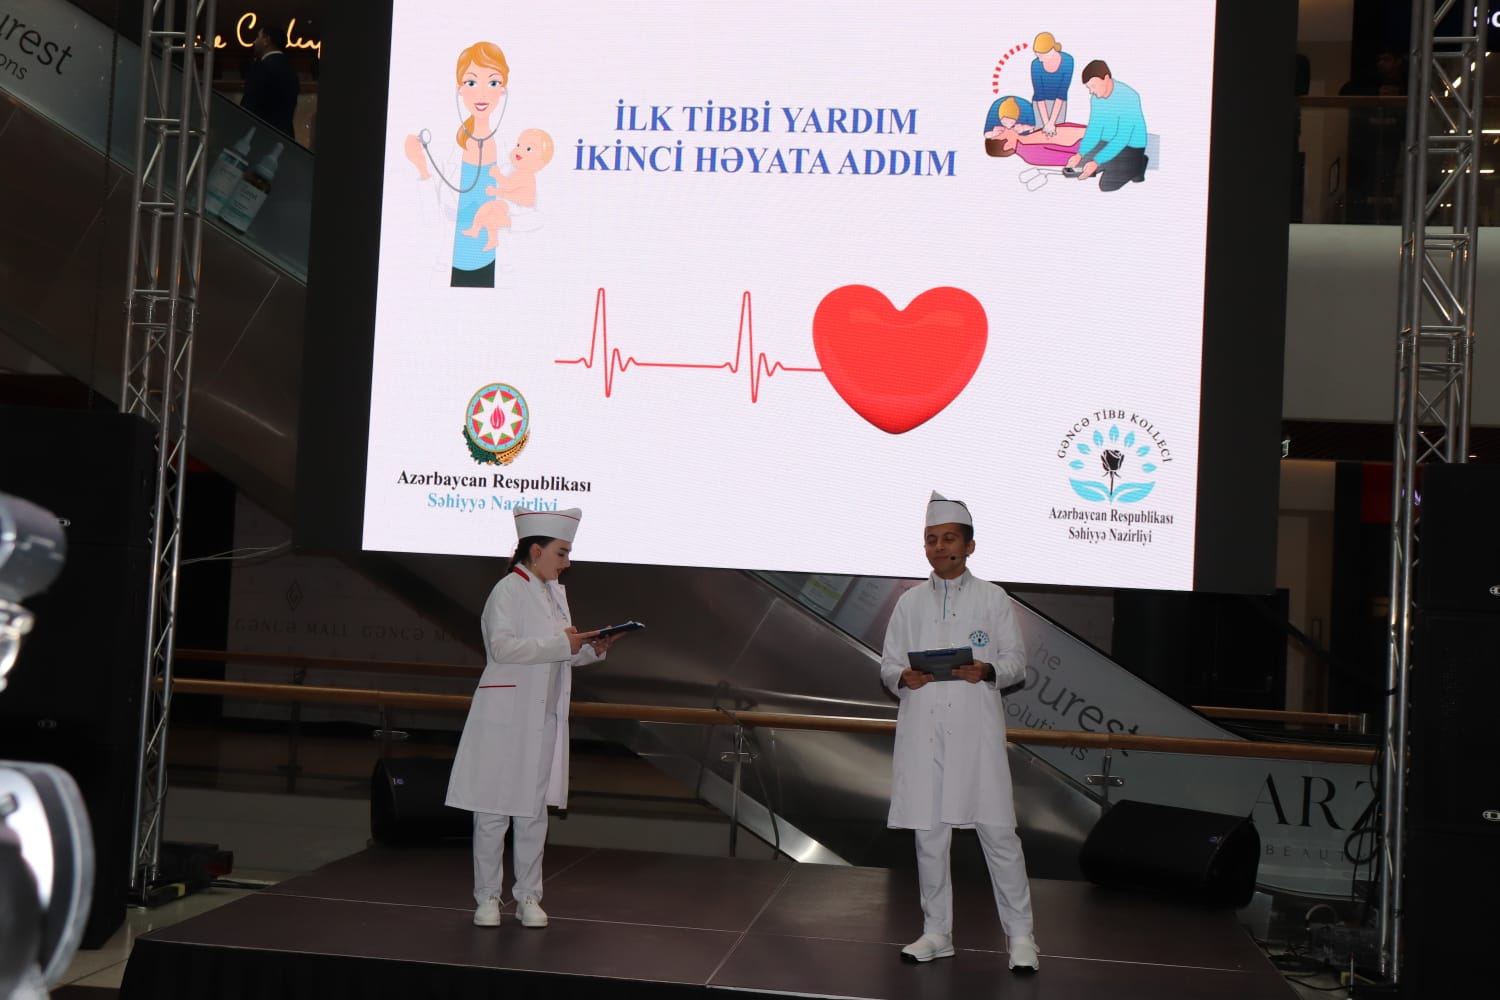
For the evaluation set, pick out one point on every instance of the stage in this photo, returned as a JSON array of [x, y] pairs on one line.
[[397, 923]]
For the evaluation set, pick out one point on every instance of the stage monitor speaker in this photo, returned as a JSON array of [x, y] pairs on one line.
[[1202, 856], [1449, 919], [1458, 557], [406, 802], [1455, 685]]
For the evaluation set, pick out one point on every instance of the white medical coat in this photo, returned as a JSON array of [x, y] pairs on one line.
[[969, 718], [528, 670]]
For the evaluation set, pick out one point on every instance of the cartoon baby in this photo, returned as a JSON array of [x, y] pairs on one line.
[[532, 152]]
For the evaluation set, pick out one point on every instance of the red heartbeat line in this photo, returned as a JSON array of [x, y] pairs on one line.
[[744, 345]]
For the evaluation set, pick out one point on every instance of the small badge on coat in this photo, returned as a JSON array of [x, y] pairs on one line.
[[979, 637]]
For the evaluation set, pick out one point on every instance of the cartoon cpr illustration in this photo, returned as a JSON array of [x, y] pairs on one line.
[[465, 180], [1111, 143]]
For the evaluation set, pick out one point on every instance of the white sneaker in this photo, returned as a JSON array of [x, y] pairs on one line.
[[531, 913], [927, 947], [1023, 954], [488, 914]]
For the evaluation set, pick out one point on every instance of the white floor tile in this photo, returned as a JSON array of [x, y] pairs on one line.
[[87, 963], [111, 977]]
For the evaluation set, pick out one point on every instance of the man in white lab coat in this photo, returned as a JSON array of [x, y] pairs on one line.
[[950, 765], [512, 760]]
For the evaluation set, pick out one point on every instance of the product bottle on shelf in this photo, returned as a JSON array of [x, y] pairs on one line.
[[245, 201], [231, 165]]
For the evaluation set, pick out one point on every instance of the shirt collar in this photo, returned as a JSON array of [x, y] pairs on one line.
[[957, 583], [533, 579]]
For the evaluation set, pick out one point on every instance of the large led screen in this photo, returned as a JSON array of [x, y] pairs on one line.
[[746, 282]]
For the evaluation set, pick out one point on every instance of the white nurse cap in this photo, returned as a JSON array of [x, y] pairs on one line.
[[941, 510], [548, 523]]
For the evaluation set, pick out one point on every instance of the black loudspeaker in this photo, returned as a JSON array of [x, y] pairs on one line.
[[406, 802], [95, 470], [1447, 926], [1458, 566], [1453, 789], [73, 697], [1202, 856], [1453, 784], [79, 673]]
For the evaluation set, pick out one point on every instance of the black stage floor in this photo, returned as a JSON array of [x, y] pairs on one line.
[[396, 923]]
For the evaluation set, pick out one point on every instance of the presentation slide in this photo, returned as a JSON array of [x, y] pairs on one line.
[[746, 282]]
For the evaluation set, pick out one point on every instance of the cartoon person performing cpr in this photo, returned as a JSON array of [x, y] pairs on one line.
[[462, 177]]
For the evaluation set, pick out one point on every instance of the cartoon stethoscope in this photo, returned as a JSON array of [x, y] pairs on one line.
[[425, 137]]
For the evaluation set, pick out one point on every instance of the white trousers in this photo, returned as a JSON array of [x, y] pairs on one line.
[[528, 840], [1002, 856], [1007, 865]]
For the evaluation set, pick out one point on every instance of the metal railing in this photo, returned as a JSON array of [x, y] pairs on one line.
[[301, 664], [388, 701], [779, 720], [1352, 157]]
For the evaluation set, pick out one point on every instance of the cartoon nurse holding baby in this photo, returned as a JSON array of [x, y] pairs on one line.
[[468, 181]]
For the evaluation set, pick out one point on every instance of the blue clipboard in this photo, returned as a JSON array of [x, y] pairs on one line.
[[940, 662], [630, 626]]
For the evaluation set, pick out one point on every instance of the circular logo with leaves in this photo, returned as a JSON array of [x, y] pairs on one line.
[[497, 424], [1122, 463]]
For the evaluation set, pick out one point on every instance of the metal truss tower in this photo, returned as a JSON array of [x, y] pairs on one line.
[[1435, 342], [166, 231]]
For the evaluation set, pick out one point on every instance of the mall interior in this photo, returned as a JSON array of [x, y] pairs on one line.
[[319, 696]]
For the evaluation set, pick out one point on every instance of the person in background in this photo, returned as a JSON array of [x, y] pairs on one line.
[[271, 85], [1386, 76], [1376, 140], [950, 766]]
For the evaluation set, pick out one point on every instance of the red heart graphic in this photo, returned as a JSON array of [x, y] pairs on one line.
[[899, 368]]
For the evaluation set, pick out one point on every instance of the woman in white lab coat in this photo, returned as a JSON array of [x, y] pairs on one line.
[[512, 760]]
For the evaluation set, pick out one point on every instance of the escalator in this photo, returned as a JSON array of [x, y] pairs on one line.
[[722, 639]]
